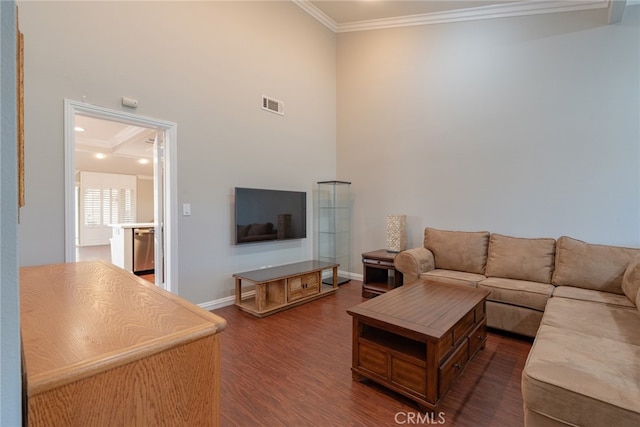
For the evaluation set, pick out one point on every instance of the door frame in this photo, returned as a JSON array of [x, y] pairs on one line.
[[168, 186]]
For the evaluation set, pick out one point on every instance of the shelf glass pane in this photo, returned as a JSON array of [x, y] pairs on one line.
[[334, 223]]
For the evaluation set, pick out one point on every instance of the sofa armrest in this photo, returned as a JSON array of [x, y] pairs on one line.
[[413, 262]]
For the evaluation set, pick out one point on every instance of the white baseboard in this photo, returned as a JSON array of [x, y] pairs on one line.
[[224, 302]]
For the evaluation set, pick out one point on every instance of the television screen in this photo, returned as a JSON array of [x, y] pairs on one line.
[[263, 215]]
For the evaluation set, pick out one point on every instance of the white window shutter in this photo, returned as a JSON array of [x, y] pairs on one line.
[[105, 199]]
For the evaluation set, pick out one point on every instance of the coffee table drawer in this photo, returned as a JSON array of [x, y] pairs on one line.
[[477, 338], [409, 375], [452, 367], [373, 360], [480, 311], [462, 326]]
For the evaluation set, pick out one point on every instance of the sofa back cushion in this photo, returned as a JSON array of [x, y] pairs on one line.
[[520, 258], [631, 280], [590, 266], [458, 250]]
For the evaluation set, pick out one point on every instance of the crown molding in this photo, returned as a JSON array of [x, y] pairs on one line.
[[524, 8], [312, 10]]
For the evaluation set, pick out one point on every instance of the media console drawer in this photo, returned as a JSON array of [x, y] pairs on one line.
[[302, 286]]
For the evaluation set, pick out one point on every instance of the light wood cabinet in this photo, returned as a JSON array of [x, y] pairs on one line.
[[104, 347], [303, 286]]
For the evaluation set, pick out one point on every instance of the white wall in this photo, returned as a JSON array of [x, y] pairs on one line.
[[144, 200], [205, 66], [526, 126], [10, 381]]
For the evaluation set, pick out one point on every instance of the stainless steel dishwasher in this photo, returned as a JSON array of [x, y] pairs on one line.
[[143, 250]]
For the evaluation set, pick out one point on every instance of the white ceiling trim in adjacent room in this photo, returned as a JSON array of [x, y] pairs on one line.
[[502, 10]]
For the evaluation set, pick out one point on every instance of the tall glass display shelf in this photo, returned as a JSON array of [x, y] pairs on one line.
[[334, 225]]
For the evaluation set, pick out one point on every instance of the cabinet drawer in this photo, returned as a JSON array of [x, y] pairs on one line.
[[480, 311], [452, 367], [477, 338], [445, 346], [302, 286], [372, 359], [378, 262], [461, 328], [408, 375]]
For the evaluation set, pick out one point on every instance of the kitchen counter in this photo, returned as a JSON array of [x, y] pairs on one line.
[[132, 246], [134, 225]]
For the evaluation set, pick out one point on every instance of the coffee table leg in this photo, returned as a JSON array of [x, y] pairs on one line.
[[356, 377], [355, 334]]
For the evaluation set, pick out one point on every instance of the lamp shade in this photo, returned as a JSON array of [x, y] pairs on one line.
[[396, 233]]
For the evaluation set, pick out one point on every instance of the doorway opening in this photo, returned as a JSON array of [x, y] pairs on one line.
[[126, 190]]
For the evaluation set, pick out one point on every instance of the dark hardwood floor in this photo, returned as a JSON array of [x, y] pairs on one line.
[[293, 369], [148, 277]]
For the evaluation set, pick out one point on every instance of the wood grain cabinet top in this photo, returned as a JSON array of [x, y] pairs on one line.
[[91, 328]]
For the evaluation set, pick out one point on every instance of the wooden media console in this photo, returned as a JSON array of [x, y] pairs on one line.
[[282, 287]]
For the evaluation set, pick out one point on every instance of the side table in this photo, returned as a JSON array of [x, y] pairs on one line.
[[379, 273]]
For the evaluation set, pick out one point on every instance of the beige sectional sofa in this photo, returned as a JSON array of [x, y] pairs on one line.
[[580, 301]]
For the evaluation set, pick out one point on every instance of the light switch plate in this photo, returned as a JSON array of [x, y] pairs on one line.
[[186, 209]]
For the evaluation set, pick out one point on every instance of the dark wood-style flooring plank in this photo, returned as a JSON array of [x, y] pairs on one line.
[[294, 369]]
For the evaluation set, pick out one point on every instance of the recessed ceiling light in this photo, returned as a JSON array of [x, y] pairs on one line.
[[79, 129], [100, 156], [143, 161]]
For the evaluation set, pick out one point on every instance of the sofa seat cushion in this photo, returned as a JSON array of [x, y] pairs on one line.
[[589, 266], [596, 319], [591, 295], [518, 292], [453, 277], [581, 379], [513, 318], [520, 258], [458, 250]]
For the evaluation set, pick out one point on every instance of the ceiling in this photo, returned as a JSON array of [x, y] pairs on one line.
[[122, 146]]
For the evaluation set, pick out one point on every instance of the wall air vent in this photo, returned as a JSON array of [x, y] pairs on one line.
[[272, 105]]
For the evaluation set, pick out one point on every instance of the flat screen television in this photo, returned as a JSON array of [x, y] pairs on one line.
[[264, 215]]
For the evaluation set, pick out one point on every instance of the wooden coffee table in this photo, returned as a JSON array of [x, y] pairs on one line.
[[417, 339]]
